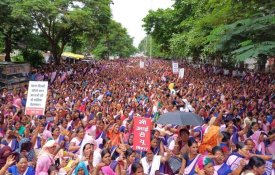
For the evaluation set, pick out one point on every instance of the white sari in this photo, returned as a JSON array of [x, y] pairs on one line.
[[151, 169], [190, 167]]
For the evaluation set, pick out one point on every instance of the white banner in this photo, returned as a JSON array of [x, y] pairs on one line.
[[141, 64], [181, 73], [36, 99], [175, 68]]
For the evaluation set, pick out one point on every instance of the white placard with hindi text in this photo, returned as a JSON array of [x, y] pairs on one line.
[[175, 67], [181, 73], [141, 64], [36, 99]]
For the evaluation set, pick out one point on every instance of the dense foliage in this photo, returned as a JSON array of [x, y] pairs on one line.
[[53, 25], [228, 30], [116, 42]]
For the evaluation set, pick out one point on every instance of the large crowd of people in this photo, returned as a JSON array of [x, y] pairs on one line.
[[88, 123]]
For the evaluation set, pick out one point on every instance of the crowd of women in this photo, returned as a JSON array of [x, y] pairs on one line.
[[88, 123]]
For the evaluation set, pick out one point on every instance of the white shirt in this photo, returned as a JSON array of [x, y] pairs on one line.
[[77, 142], [153, 167], [233, 161], [97, 157], [217, 167]]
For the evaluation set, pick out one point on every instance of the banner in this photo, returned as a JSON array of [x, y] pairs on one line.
[[142, 133], [36, 99], [181, 74], [175, 68], [141, 64]]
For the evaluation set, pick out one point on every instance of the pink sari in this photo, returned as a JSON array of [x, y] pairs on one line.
[[271, 149], [43, 164], [258, 146], [107, 170], [45, 159]]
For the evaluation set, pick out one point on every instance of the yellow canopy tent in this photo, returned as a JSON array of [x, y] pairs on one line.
[[72, 55]]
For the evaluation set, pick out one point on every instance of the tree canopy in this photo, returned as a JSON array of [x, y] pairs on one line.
[[226, 29], [81, 24]]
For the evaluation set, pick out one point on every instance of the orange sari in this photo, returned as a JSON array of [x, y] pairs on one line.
[[114, 137], [210, 139]]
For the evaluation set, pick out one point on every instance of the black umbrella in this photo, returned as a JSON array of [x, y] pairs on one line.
[[180, 118]]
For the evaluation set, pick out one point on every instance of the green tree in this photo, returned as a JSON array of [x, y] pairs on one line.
[[161, 25], [12, 28], [149, 47], [215, 29], [61, 20], [247, 38], [1, 43], [115, 43]]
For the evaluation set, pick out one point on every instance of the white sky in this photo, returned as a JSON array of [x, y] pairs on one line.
[[131, 12]]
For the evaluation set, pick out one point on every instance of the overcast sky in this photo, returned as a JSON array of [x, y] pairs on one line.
[[131, 12]]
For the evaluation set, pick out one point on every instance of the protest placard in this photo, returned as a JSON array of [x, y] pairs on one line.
[[181, 73], [141, 64], [36, 99], [175, 67], [142, 133]]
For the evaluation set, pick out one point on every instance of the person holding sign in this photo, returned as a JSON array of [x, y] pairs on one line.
[[181, 73], [175, 68]]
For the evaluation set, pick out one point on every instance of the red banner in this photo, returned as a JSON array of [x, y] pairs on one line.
[[34, 111], [142, 133]]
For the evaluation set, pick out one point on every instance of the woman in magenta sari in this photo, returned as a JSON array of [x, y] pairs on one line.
[[104, 166]]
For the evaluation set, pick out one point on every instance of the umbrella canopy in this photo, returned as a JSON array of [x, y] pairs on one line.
[[180, 118], [72, 55]]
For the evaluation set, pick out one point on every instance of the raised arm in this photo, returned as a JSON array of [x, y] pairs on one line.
[[9, 162], [219, 118], [164, 159], [183, 165]]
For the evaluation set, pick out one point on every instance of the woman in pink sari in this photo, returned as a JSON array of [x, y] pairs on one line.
[[258, 138], [46, 157]]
